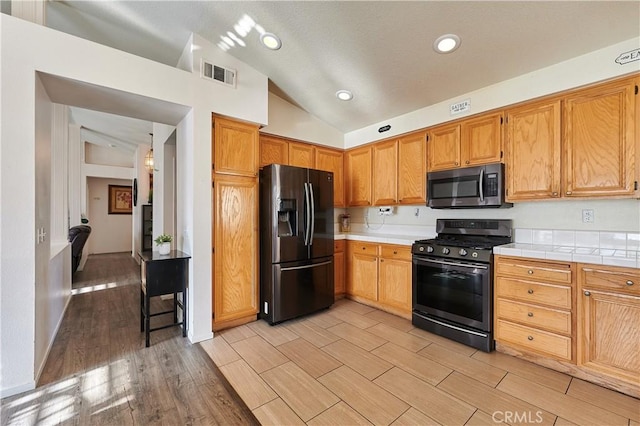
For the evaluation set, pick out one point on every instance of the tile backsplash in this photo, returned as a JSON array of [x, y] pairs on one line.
[[587, 239]]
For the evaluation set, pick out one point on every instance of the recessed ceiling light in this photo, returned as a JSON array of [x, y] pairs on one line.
[[344, 95], [446, 43], [271, 41]]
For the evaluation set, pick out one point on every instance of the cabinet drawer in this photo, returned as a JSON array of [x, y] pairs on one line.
[[534, 316], [533, 292], [370, 249], [395, 252], [560, 273], [537, 340], [338, 246], [625, 280]]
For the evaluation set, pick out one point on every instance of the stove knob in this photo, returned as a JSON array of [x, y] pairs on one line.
[[474, 254], [462, 252], [445, 251], [421, 248], [429, 249]]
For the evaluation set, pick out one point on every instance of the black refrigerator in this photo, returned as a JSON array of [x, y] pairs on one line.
[[296, 242]]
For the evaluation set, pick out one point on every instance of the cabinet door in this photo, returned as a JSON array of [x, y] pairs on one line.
[[533, 151], [235, 248], [273, 151], [385, 163], [301, 155], [358, 176], [599, 131], [609, 333], [235, 147], [412, 169], [333, 161], [339, 273], [395, 284], [363, 276], [444, 147], [482, 140]]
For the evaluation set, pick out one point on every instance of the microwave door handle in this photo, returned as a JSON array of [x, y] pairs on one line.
[[481, 184]]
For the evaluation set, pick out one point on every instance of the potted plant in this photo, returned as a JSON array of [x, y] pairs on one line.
[[164, 243]]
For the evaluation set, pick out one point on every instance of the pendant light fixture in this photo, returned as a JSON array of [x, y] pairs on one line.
[[148, 159]]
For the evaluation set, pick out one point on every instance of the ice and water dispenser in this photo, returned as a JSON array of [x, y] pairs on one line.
[[287, 218]]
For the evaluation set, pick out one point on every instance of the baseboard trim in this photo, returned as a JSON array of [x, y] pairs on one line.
[[17, 389]]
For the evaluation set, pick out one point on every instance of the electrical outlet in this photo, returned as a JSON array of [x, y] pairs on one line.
[[587, 216], [385, 211]]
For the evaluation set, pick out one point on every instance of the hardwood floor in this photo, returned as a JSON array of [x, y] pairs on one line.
[[99, 372], [352, 364]]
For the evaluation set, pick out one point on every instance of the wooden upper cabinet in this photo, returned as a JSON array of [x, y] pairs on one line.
[[599, 137], [385, 175], [412, 169], [482, 140], [444, 147], [235, 147], [467, 143], [533, 151], [333, 161], [301, 155], [273, 151], [358, 176]]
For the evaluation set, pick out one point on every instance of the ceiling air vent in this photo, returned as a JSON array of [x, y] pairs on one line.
[[209, 71]]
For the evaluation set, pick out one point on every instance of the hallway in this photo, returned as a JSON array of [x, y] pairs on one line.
[[99, 372]]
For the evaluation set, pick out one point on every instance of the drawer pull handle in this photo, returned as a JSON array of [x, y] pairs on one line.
[[530, 337], [629, 282], [530, 314], [587, 293], [530, 291], [530, 272]]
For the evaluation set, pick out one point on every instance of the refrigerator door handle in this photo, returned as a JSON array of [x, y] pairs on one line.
[[313, 215], [307, 208], [293, 268]]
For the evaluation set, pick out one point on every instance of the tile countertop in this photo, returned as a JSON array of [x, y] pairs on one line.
[[601, 256], [404, 240]]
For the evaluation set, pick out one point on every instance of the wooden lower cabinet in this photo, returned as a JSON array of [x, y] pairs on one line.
[[235, 258], [609, 321], [380, 275], [534, 306], [580, 319], [339, 267]]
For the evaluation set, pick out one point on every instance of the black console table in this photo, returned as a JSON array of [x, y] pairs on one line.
[[163, 274]]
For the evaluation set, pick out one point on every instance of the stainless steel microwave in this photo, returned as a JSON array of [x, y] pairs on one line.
[[469, 187]]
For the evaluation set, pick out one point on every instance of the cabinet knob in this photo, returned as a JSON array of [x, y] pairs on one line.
[[555, 194], [530, 272], [568, 192], [395, 252], [381, 260], [530, 314], [629, 282], [530, 337], [455, 164], [466, 162], [587, 293], [530, 291], [364, 248]]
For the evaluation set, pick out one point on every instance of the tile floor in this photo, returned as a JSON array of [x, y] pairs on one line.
[[353, 364]]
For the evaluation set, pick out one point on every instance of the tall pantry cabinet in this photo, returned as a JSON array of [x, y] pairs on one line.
[[235, 224]]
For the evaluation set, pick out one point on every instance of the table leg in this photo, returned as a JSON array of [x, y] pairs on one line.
[[141, 310], [147, 319], [184, 312], [175, 308]]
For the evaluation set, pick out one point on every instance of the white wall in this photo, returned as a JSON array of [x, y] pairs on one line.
[[110, 233], [97, 154], [582, 70], [290, 121], [610, 215], [28, 48]]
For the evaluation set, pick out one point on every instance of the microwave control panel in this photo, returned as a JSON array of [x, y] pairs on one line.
[[491, 185]]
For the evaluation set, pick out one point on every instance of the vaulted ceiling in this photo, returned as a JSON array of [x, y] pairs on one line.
[[381, 51]]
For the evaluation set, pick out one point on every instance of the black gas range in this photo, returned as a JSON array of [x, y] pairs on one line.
[[453, 279]]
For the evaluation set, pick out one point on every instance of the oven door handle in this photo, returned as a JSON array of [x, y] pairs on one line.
[[444, 262]]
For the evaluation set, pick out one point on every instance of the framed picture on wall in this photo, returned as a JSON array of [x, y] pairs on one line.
[[120, 199]]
